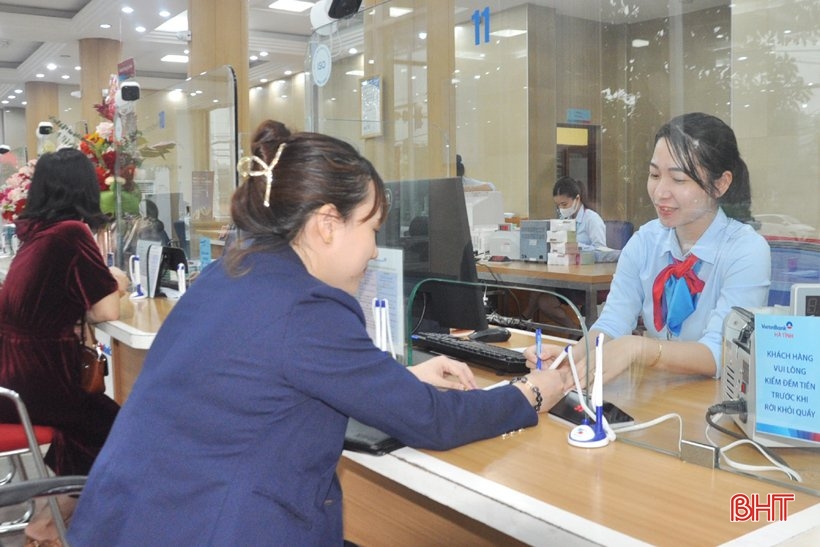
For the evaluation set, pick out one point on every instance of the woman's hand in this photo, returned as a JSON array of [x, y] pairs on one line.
[[122, 279], [445, 373], [549, 353], [549, 382], [618, 355]]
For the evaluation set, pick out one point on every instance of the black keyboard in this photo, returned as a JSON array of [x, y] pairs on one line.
[[501, 359]]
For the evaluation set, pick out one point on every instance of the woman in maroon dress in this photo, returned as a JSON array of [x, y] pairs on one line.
[[58, 278]]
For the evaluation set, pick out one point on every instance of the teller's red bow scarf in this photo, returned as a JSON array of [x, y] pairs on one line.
[[675, 292]]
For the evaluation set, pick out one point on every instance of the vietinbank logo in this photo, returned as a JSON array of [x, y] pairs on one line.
[[788, 325], [780, 329]]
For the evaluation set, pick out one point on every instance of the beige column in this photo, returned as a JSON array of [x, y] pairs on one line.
[[99, 58], [219, 36], [384, 38], [43, 102]]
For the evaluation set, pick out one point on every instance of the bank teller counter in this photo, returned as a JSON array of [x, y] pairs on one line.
[[531, 487]]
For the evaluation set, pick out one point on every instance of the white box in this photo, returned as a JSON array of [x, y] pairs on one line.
[[561, 236], [563, 225], [564, 248], [571, 259], [504, 243]]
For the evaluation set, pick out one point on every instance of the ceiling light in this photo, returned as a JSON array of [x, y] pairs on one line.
[[358, 73], [263, 53], [128, 10], [78, 68], [18, 91], [640, 42], [174, 58], [422, 35], [51, 66], [263, 80], [39, 75], [140, 29], [288, 72], [164, 13], [12, 96], [353, 51], [105, 25], [254, 58], [177, 23], [398, 12], [65, 76], [508, 32], [296, 6]]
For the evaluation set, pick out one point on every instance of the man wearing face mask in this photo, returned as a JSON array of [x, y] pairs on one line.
[[591, 235]]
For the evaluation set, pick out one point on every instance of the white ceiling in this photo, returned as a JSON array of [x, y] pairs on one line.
[[36, 33]]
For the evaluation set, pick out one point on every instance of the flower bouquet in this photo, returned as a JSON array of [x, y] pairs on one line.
[[14, 192], [115, 157]]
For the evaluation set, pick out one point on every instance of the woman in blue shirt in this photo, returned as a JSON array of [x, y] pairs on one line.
[[684, 271], [589, 226], [590, 235], [235, 426]]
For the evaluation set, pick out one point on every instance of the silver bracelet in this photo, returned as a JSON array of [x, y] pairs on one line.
[[526, 381]]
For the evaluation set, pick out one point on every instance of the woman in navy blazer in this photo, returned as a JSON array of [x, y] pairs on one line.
[[234, 428]]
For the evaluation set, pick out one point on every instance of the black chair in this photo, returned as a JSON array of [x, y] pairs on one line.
[[618, 233]]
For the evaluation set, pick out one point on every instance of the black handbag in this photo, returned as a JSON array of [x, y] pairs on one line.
[[93, 364]]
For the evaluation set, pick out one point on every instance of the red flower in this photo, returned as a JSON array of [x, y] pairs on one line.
[[102, 174]]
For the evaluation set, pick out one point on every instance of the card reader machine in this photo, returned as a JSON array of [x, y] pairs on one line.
[[736, 381]]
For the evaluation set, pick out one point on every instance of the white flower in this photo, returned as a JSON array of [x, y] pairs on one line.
[[105, 130]]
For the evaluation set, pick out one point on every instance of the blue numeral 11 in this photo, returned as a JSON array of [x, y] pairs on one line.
[[477, 17]]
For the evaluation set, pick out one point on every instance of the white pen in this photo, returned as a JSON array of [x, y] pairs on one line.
[[181, 281]]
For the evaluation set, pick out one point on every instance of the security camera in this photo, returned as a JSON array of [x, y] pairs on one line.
[[129, 91], [45, 128], [339, 9], [4, 149]]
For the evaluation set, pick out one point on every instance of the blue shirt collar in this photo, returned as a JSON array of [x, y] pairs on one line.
[[707, 246]]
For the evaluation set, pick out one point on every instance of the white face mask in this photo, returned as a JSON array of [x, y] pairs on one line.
[[567, 213]]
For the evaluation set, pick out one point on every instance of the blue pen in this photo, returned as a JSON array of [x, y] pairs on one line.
[[538, 349]]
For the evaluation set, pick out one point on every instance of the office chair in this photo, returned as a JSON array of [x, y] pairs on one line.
[[19, 439], [793, 261], [618, 233]]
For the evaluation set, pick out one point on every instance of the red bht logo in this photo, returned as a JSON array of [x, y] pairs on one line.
[[748, 507]]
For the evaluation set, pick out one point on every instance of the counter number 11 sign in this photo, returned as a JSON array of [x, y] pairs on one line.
[[478, 17]]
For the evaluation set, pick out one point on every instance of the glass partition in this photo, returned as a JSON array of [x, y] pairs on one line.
[[526, 92], [187, 148]]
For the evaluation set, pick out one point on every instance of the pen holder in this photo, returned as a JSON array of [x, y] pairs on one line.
[[134, 272]]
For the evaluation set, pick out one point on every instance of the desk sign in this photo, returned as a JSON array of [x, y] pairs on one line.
[[787, 376]]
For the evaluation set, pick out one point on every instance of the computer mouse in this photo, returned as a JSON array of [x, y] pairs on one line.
[[492, 334]]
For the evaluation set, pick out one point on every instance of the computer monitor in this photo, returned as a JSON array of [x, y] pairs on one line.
[[428, 221]]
